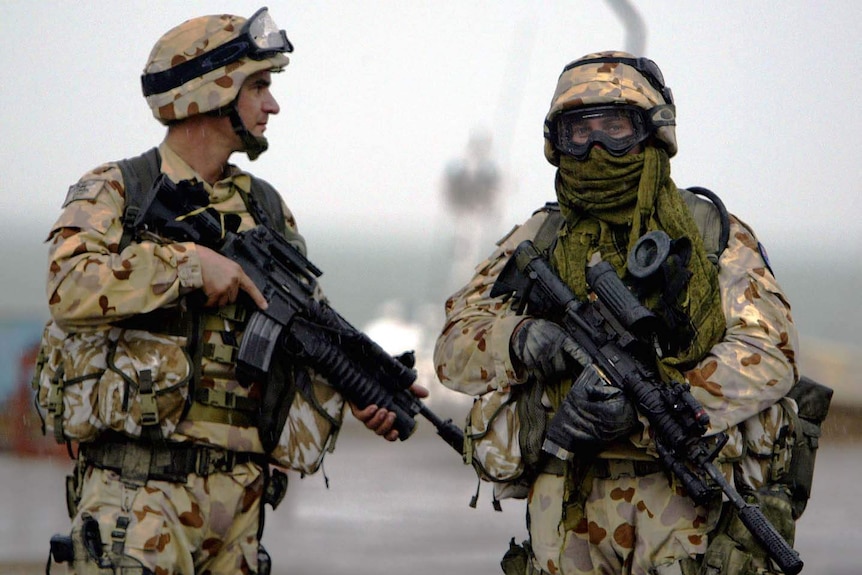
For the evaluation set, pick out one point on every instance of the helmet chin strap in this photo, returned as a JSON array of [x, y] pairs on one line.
[[254, 146]]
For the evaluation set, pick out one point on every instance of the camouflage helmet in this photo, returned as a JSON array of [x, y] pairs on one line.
[[614, 78], [200, 65]]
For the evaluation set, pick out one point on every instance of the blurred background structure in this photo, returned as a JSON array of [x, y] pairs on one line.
[[409, 140]]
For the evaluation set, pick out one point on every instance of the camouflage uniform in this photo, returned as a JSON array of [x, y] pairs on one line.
[[92, 286], [208, 520], [636, 518]]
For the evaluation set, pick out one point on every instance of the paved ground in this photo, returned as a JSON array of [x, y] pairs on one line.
[[403, 508]]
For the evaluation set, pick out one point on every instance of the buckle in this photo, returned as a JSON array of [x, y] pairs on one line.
[[216, 397]]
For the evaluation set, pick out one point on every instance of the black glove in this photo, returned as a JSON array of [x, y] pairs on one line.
[[592, 413], [545, 350]]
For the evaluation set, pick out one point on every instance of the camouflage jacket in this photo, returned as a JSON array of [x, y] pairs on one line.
[[92, 286], [745, 374]]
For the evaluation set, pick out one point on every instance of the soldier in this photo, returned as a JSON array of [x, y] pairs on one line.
[[173, 470], [613, 508]]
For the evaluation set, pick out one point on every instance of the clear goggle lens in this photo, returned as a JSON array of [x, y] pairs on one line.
[[265, 35], [618, 129]]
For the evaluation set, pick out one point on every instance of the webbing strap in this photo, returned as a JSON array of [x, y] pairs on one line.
[[139, 173], [214, 414], [118, 535], [225, 399], [147, 398], [712, 219], [55, 403], [547, 234], [220, 352]]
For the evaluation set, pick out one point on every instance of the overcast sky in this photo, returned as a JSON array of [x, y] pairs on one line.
[[381, 95]]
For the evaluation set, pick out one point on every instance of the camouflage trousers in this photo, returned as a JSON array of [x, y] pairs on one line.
[[631, 525], [206, 525]]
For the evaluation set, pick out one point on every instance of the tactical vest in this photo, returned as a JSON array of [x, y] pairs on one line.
[[264, 204], [713, 222]]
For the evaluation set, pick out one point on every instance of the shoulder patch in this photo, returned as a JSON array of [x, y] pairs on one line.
[[83, 190], [762, 249]]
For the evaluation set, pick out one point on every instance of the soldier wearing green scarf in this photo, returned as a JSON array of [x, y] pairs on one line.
[[613, 508]]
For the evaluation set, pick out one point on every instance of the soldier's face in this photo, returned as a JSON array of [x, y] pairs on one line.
[[256, 102], [616, 127]]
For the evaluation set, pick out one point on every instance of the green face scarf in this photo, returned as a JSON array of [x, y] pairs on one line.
[[608, 204]]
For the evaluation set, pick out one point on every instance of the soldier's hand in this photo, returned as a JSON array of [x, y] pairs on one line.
[[545, 350], [224, 278], [380, 420], [593, 412]]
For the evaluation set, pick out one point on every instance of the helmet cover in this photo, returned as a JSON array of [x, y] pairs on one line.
[[215, 88]]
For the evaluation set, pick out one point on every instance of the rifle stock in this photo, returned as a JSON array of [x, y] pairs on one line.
[[294, 322], [618, 334]]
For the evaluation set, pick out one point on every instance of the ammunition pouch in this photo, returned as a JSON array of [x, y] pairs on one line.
[[732, 548], [812, 400], [278, 396], [126, 380]]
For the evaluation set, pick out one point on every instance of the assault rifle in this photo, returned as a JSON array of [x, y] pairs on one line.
[[294, 322], [620, 337]]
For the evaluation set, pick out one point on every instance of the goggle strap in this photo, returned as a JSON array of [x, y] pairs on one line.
[[160, 82], [663, 115]]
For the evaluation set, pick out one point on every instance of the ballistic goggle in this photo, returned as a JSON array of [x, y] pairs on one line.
[[617, 128], [258, 39]]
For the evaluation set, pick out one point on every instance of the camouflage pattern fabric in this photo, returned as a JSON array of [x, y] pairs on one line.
[[214, 517], [100, 371], [740, 384], [631, 525]]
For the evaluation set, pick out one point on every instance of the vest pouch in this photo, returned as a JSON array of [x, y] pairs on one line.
[[732, 549], [503, 437], [517, 560], [768, 441], [725, 557], [66, 381], [311, 427], [813, 401], [775, 505], [145, 388]]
